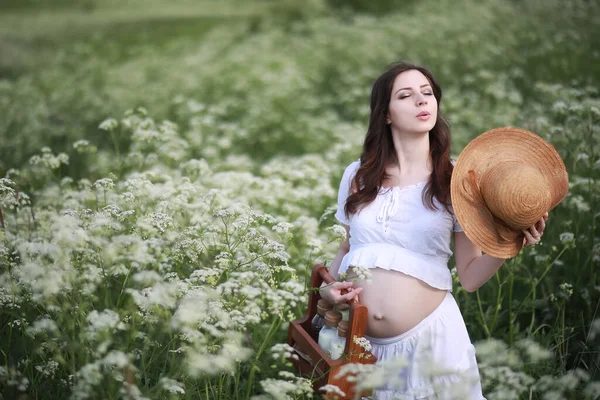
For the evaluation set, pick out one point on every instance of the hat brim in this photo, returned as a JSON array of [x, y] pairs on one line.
[[485, 151]]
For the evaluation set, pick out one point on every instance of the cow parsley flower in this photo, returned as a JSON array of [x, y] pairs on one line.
[[283, 227], [103, 320], [338, 231], [84, 146], [172, 386], [566, 237], [109, 124], [332, 390], [362, 273]]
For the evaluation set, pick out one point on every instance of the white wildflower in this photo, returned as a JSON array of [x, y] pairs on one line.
[[85, 379], [582, 156], [163, 294], [42, 281], [101, 321], [104, 183], [283, 227], [315, 244], [194, 309], [580, 204], [368, 376], [172, 386], [204, 276], [109, 124], [593, 387], [286, 375], [23, 384], [48, 369], [534, 352], [566, 237], [147, 277], [66, 181], [560, 107], [12, 172], [49, 160], [160, 221], [362, 342], [84, 146], [195, 106], [338, 231], [332, 390], [229, 353], [8, 195], [279, 389], [127, 197], [567, 289], [42, 325], [362, 273], [283, 351], [116, 358]]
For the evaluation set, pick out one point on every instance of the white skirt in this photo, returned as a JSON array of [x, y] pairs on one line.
[[433, 360]]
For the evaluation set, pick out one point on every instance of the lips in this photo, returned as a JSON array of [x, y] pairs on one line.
[[423, 114]]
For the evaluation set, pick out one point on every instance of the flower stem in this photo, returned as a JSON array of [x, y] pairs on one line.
[[274, 325]]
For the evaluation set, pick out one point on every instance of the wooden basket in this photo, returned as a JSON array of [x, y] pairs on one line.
[[312, 361]]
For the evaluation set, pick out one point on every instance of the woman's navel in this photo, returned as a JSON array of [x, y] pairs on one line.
[[378, 316]]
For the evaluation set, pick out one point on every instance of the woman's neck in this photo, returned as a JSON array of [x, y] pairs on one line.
[[413, 154]]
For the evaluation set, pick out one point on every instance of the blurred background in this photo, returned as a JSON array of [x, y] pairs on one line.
[[275, 71]]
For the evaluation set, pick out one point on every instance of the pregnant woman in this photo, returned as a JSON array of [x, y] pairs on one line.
[[396, 207]]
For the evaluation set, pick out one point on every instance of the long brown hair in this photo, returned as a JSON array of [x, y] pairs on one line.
[[379, 151]]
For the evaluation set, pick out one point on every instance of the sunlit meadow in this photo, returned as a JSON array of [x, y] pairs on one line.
[[169, 175]]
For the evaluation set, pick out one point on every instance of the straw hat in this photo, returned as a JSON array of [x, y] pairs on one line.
[[503, 182]]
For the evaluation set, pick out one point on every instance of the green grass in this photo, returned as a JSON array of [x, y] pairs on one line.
[[65, 54], [30, 39]]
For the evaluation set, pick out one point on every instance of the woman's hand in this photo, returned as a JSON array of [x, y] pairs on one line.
[[533, 235], [339, 292]]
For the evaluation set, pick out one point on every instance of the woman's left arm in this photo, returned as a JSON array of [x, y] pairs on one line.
[[475, 269]]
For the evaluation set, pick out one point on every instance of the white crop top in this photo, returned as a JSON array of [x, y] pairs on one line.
[[397, 232]]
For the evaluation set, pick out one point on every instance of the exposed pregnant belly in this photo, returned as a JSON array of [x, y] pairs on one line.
[[397, 302]]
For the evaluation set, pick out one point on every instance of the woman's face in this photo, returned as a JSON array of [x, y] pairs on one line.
[[413, 107]]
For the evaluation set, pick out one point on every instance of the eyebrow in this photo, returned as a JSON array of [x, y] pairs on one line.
[[407, 88]]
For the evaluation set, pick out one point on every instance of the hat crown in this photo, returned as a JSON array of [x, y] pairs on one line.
[[516, 193]]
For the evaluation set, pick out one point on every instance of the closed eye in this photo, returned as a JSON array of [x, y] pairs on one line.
[[404, 96]]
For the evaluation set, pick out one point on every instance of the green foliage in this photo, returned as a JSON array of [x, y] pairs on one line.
[[372, 7], [162, 251]]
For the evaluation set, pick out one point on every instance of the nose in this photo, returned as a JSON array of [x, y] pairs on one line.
[[421, 100]]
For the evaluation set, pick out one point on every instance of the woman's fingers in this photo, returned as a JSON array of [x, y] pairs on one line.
[[541, 224], [342, 285], [534, 232], [531, 239], [533, 235], [352, 294], [341, 292]]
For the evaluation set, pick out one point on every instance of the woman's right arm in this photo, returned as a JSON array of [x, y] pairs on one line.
[[342, 251], [332, 292]]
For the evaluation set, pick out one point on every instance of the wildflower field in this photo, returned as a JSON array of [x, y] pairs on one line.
[[169, 173]]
